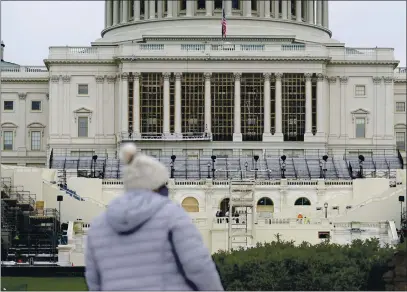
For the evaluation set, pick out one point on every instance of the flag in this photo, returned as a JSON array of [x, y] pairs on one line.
[[224, 23]]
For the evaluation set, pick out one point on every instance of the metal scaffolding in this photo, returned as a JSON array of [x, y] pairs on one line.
[[242, 201]]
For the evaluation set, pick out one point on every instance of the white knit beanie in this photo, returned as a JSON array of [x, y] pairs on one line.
[[141, 171]]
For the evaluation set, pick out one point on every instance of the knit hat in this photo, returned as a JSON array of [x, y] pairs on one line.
[[141, 171]]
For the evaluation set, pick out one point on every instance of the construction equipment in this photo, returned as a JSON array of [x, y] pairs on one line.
[[242, 202]]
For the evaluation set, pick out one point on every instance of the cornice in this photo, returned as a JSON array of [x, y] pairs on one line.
[[222, 58], [24, 80], [79, 62], [397, 80], [363, 62]]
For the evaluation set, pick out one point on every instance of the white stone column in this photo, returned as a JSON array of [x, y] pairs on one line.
[[209, 7], [177, 106], [136, 12], [278, 98], [334, 105], [343, 109], [100, 80], [152, 9], [53, 105], [247, 8], [109, 128], [136, 104], [284, 9], [276, 9], [147, 9], [170, 8], [109, 13], [320, 105], [325, 13], [378, 131], [298, 11], [267, 8], [208, 103], [289, 16], [308, 105], [125, 11], [389, 106], [166, 106], [267, 107], [310, 4], [116, 12], [237, 134], [125, 104], [65, 127], [319, 12], [190, 9], [228, 7], [160, 9]]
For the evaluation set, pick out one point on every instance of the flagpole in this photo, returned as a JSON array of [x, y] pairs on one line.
[[223, 11]]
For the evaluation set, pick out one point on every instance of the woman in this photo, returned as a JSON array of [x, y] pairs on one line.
[[143, 241]]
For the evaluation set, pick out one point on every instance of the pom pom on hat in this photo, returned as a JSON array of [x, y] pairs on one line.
[[142, 171]]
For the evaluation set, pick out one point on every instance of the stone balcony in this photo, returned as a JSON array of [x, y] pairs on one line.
[[24, 72], [219, 50]]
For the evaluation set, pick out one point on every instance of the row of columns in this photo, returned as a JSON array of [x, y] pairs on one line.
[[118, 11], [278, 135]]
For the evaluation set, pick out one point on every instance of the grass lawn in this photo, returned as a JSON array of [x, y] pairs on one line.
[[43, 284]]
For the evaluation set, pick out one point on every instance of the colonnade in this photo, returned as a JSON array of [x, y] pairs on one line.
[[276, 135], [308, 11]]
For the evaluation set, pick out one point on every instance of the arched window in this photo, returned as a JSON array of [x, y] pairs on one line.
[[190, 205], [302, 202], [224, 206], [265, 205]]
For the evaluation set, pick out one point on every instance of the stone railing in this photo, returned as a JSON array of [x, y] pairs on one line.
[[24, 69], [219, 50]]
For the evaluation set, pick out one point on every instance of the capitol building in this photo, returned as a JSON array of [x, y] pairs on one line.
[[275, 109]]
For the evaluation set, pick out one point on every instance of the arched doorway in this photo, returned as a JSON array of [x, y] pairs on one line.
[[265, 205], [190, 205], [302, 202], [224, 206]]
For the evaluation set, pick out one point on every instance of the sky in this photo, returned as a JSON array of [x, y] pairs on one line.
[[29, 28]]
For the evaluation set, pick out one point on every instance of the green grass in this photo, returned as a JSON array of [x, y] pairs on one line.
[[43, 284]]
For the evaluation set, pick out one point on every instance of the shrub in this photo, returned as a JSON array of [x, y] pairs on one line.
[[280, 265]]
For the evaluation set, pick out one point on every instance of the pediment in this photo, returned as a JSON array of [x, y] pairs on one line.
[[83, 110], [8, 125], [400, 126], [36, 125], [360, 111]]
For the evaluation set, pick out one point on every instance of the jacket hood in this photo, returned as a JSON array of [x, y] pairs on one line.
[[133, 209]]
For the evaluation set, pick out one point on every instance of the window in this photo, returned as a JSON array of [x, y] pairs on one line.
[[401, 140], [36, 105], [236, 4], [190, 205], [360, 127], [323, 234], [83, 89], [8, 105], [400, 107], [201, 4], [302, 202], [35, 140], [82, 127], [8, 137], [360, 90], [218, 4]]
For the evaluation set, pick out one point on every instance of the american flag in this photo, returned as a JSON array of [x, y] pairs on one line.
[[224, 23]]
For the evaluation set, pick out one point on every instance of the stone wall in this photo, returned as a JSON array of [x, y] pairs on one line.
[[396, 277]]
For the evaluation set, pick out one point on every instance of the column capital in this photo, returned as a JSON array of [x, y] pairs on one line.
[[377, 80], [55, 78], [124, 76], [343, 79], [100, 79], [207, 75], [111, 78], [266, 76], [308, 76], [237, 76], [278, 76], [66, 78], [22, 95], [320, 77], [166, 75], [332, 79], [178, 75], [136, 75], [388, 80]]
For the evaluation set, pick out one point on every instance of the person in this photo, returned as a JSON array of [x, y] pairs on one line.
[[144, 241]]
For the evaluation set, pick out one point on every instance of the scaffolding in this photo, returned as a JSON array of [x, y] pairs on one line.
[[242, 201]]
